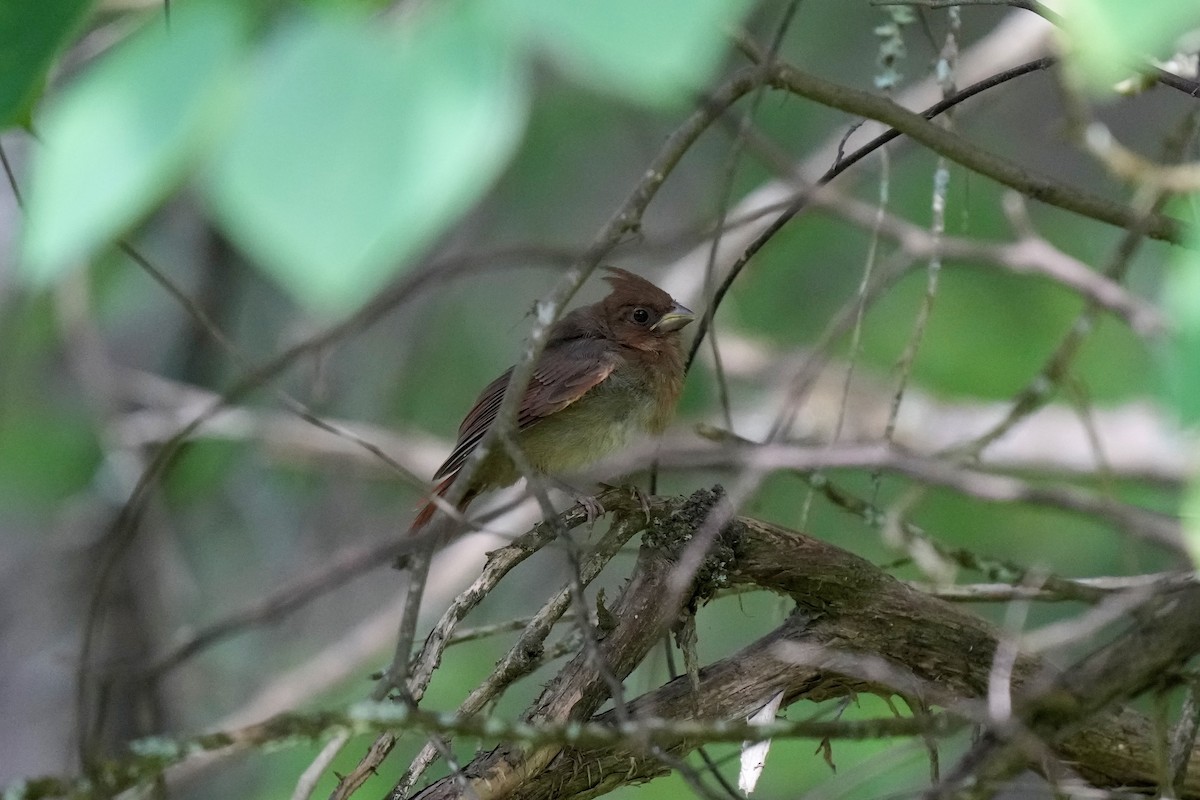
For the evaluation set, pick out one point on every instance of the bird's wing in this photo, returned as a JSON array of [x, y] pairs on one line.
[[564, 373]]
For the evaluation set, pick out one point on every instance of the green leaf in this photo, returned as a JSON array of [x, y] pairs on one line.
[[1107, 38], [360, 146], [1181, 300], [31, 33], [652, 52], [1190, 516], [46, 455], [124, 135]]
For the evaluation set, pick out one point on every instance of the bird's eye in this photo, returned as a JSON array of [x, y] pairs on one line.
[[641, 316]]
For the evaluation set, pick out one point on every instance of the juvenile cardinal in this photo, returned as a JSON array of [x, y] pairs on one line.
[[609, 371]]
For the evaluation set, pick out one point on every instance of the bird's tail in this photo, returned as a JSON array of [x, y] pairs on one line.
[[430, 508]]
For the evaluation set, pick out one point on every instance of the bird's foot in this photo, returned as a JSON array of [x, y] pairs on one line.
[[591, 505], [643, 500]]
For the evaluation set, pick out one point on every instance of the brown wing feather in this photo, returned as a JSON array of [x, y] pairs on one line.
[[429, 509], [564, 373]]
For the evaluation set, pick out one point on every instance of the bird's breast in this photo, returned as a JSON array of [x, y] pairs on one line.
[[598, 424]]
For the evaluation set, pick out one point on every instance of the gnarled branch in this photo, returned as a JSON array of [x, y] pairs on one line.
[[855, 628]]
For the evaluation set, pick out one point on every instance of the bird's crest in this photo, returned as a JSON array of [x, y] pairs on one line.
[[630, 287]]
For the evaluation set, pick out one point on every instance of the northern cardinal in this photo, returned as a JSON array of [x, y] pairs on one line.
[[609, 371]]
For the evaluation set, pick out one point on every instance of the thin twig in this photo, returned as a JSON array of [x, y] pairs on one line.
[[1161, 529], [521, 658]]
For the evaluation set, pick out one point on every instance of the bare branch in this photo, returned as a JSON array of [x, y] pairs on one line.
[[842, 599]]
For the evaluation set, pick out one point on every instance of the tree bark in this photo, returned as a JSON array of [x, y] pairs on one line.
[[855, 628]]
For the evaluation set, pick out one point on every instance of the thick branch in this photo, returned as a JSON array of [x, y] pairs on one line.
[[963, 152], [641, 616], [855, 629]]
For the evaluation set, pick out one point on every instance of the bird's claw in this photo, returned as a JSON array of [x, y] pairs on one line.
[[590, 504], [643, 500], [640, 497], [591, 507]]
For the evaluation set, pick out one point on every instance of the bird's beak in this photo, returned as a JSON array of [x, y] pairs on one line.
[[674, 319]]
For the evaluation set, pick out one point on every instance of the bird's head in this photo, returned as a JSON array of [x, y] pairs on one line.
[[640, 314]]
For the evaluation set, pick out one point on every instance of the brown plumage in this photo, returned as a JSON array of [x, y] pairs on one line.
[[609, 371]]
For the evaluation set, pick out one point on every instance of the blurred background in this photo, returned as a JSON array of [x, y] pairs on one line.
[[100, 363]]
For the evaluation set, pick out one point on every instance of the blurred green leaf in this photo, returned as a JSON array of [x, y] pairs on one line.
[[363, 5], [1181, 300], [1106, 37], [1190, 514], [45, 456], [31, 33], [122, 136], [203, 468], [359, 147], [658, 52]]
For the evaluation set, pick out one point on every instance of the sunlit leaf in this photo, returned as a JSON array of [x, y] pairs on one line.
[[652, 52], [122, 137], [1181, 299], [1107, 37], [361, 145]]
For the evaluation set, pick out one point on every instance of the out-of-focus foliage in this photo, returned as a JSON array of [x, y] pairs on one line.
[[662, 52], [1107, 39], [126, 133], [31, 33], [356, 148], [1181, 299], [1181, 372], [349, 146], [284, 161]]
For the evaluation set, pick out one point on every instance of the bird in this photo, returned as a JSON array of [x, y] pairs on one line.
[[609, 371]]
